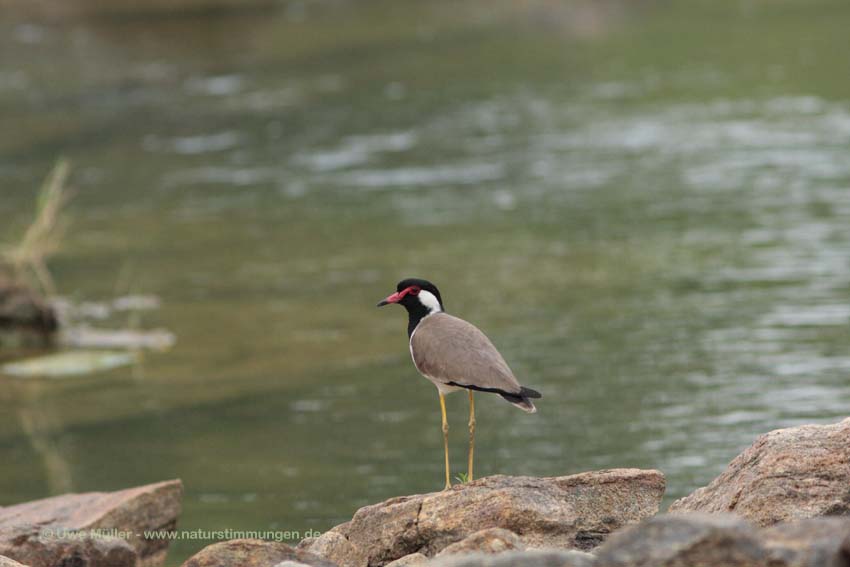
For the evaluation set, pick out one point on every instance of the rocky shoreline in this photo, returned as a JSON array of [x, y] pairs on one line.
[[784, 502]]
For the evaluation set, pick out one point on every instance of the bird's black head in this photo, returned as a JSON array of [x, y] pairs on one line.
[[419, 297]]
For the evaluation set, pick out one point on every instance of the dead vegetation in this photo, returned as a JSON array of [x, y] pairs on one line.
[[25, 263]]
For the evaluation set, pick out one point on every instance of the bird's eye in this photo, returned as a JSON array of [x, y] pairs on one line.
[[414, 291]]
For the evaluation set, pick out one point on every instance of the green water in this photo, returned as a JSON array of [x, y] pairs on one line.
[[644, 204]]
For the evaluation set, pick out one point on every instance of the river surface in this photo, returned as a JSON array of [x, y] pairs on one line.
[[644, 204]]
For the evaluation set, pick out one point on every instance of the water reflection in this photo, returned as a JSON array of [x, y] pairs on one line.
[[647, 219], [43, 427]]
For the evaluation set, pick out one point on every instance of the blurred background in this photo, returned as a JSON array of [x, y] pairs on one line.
[[645, 204]]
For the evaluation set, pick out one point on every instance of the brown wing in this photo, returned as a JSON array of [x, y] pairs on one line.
[[452, 351]]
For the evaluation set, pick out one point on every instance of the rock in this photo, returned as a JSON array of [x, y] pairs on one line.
[[724, 539], [491, 540], [252, 553], [575, 556], [787, 474], [530, 558], [334, 547], [6, 562], [576, 511], [695, 540], [409, 560], [25, 317], [291, 564], [815, 542], [98, 528], [51, 550]]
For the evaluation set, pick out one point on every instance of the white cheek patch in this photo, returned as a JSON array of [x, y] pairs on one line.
[[429, 300]]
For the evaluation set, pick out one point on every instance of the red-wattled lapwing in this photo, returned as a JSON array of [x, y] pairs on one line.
[[454, 355]]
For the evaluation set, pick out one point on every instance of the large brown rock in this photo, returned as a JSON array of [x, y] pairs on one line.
[[787, 474], [491, 540], [335, 547], [531, 558], [95, 528], [694, 540], [252, 553], [704, 540], [815, 542], [50, 551], [571, 512], [409, 560]]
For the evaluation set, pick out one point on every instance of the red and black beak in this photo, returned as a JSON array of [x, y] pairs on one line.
[[394, 298]]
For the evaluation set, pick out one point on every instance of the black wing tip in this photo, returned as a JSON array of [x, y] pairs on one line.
[[529, 393], [523, 391], [521, 402]]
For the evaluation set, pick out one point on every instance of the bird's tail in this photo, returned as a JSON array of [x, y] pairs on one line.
[[529, 393], [522, 400]]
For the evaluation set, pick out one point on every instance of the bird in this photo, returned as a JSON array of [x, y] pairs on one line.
[[455, 355]]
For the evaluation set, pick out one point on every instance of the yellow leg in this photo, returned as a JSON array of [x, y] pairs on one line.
[[471, 433], [445, 438]]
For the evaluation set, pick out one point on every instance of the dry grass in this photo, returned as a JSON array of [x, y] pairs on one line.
[[27, 260]]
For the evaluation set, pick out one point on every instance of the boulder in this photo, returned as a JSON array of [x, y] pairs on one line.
[[491, 540], [695, 540], [815, 542], [409, 560], [530, 558], [335, 547], [253, 553], [91, 551], [787, 474], [6, 562], [97, 528], [571, 512]]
